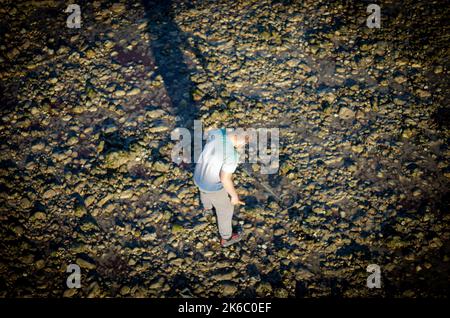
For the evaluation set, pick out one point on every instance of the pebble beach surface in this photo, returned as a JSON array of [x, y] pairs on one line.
[[86, 174]]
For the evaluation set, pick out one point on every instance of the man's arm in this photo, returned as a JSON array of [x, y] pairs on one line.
[[227, 180]]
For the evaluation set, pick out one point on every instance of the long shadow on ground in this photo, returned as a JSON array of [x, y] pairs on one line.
[[166, 42]]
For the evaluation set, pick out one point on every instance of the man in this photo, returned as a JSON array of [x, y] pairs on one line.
[[213, 176]]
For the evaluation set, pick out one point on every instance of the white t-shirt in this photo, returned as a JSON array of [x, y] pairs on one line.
[[218, 154]]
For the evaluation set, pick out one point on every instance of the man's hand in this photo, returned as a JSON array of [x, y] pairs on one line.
[[235, 201], [227, 181]]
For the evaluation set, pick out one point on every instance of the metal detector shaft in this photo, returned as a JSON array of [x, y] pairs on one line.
[[265, 186]]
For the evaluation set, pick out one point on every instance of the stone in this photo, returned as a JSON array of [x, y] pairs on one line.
[[126, 194], [38, 147], [158, 284], [25, 203], [119, 93], [133, 92], [157, 113], [70, 292], [118, 8], [161, 167], [279, 232], [89, 200], [293, 63], [264, 289], [346, 113], [176, 228], [114, 160], [80, 210], [39, 216], [125, 290], [423, 93], [90, 54], [227, 275], [49, 194], [85, 264], [40, 264], [228, 289]]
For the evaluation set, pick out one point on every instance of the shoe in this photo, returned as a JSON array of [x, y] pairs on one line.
[[236, 237]]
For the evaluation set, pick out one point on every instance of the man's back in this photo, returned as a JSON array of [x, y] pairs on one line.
[[218, 154]]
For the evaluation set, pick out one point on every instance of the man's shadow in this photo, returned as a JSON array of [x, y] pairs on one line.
[[166, 43]]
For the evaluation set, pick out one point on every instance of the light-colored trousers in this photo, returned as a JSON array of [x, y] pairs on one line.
[[224, 210]]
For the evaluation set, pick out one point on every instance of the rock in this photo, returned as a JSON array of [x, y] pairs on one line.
[[70, 292], [264, 289], [293, 63], [90, 54], [133, 92], [40, 264], [423, 94], [161, 167], [114, 160], [157, 284], [228, 289], [49, 194], [171, 255], [330, 98], [148, 237], [176, 228], [346, 113], [281, 293], [400, 79], [158, 181], [78, 109], [225, 275], [109, 129], [118, 8], [85, 264], [125, 290], [27, 259], [39, 216], [177, 262], [88, 226], [408, 133], [126, 194], [399, 102], [80, 210], [94, 290], [158, 129], [38, 147], [19, 230], [334, 162], [89, 200], [119, 93], [25, 203], [305, 68], [156, 113]]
